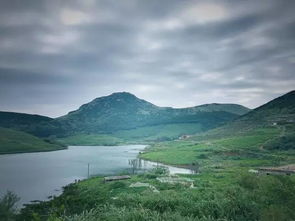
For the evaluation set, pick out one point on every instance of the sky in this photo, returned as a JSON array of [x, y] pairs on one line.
[[56, 55]]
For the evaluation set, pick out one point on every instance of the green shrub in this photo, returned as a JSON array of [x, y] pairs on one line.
[[117, 185], [160, 170], [8, 206]]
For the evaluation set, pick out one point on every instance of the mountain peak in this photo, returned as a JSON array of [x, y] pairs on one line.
[[123, 93], [117, 96]]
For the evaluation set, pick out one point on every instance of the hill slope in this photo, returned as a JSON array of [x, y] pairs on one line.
[[37, 125], [278, 113], [264, 136], [12, 141]]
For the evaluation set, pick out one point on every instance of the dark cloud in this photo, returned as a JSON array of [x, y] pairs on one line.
[[56, 55]]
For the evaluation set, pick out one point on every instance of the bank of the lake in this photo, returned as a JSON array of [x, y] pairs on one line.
[[145, 197]]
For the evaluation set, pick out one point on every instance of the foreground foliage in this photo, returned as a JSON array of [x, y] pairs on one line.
[[247, 197], [8, 206]]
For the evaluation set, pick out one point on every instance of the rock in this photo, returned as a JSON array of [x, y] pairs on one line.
[[176, 180], [139, 184]]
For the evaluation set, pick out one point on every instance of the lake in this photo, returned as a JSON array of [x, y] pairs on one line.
[[35, 176]]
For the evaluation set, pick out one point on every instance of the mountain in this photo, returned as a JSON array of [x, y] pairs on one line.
[[37, 125], [230, 108], [124, 111], [12, 141], [278, 111], [11, 119]]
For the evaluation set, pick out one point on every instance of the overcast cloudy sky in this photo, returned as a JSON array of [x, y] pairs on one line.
[[56, 54]]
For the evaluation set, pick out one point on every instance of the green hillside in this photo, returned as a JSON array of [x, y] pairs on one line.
[[12, 141], [265, 134], [37, 125]]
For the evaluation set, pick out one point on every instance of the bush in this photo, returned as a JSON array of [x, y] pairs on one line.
[[160, 170], [286, 142], [8, 206], [117, 185]]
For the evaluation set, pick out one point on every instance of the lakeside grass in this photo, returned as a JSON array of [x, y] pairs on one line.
[[91, 140], [226, 195], [248, 149]]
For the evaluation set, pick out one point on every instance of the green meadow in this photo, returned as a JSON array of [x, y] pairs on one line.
[[146, 135]]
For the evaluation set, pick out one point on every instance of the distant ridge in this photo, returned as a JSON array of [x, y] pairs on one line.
[[277, 113], [31, 123], [278, 109]]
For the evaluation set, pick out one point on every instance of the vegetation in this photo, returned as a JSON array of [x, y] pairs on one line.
[[239, 197], [144, 135], [37, 125], [192, 149], [159, 132], [12, 141], [285, 142], [91, 140], [8, 207]]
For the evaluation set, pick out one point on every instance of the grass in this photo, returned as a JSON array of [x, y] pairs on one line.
[[144, 135], [159, 132], [91, 140], [225, 196], [12, 141], [205, 151]]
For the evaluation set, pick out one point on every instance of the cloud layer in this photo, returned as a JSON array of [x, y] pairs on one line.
[[56, 55]]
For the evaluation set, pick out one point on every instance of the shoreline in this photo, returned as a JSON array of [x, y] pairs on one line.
[[33, 151]]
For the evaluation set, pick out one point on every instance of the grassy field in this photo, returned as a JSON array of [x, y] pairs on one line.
[[91, 140], [144, 135], [159, 132], [248, 148], [12, 141]]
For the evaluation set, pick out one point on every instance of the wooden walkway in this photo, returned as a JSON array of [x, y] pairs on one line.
[[114, 178]]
